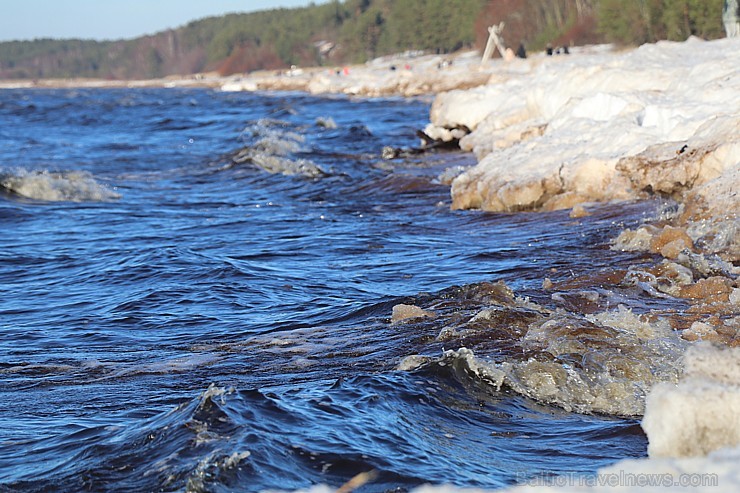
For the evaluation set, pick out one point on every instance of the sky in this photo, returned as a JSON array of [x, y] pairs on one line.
[[115, 19]]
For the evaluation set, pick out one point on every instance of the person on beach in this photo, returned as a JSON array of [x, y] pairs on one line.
[[731, 18], [521, 52]]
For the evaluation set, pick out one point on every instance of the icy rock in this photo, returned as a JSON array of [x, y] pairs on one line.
[[670, 242], [578, 211]]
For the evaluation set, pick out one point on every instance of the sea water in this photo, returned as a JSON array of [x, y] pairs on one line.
[[197, 289]]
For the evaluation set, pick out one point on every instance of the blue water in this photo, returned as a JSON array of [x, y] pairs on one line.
[[196, 290]]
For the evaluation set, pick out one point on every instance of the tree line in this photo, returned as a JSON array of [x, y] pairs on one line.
[[354, 31], [647, 21]]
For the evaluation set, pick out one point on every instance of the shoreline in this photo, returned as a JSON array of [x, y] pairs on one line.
[[601, 125], [407, 75], [661, 120]]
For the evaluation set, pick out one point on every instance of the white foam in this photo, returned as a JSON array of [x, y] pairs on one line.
[[326, 122], [209, 467], [271, 148], [66, 186]]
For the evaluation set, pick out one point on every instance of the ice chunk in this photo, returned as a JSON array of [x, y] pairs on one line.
[[404, 312], [612, 126], [702, 413]]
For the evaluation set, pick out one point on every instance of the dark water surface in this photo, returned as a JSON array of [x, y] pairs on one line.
[[196, 291]]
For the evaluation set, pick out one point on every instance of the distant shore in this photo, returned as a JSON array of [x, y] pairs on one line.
[[408, 74], [211, 81]]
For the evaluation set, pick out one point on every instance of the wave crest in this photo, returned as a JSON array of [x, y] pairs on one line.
[[605, 362], [273, 148], [64, 186]]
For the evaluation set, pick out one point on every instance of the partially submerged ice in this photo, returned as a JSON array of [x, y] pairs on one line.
[[403, 312], [604, 362], [693, 430]]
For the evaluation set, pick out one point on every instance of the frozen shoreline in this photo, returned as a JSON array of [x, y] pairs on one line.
[[607, 126], [602, 126], [663, 120]]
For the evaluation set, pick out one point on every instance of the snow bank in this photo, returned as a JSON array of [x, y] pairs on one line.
[[599, 126]]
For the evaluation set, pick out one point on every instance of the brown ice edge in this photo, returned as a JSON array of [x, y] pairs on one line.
[[566, 132]]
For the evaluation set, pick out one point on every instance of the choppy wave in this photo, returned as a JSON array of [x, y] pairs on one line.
[[605, 362], [226, 439], [272, 147], [64, 186]]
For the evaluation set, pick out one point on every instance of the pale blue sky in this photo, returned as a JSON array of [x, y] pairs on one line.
[[115, 19]]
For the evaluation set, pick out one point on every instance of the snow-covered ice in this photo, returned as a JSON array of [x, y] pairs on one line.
[[598, 126]]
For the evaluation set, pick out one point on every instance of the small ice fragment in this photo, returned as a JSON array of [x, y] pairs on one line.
[[405, 312]]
